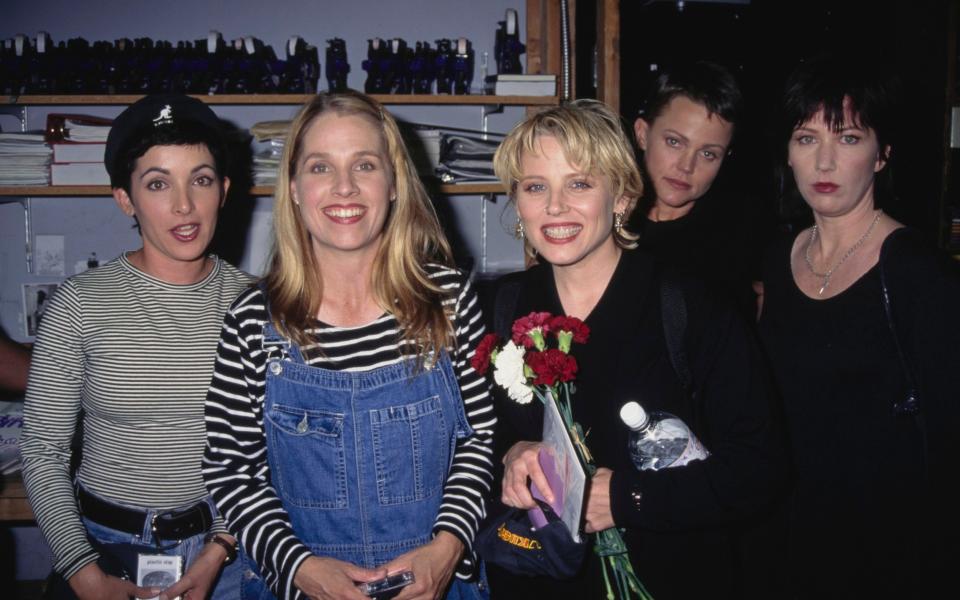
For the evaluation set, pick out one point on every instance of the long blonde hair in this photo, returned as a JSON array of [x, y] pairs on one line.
[[592, 138], [412, 238]]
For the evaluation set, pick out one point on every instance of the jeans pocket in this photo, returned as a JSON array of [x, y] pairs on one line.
[[307, 446], [411, 448]]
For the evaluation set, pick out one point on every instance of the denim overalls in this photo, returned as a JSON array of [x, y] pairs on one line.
[[359, 460]]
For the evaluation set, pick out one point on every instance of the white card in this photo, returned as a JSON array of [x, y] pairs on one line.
[[159, 571]]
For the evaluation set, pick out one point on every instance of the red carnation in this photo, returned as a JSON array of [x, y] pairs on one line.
[[481, 357], [574, 325], [551, 366], [526, 330]]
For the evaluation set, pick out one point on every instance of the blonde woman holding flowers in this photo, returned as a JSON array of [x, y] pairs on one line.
[[571, 173]]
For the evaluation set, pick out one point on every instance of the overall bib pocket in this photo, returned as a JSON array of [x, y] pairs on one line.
[[311, 442], [411, 447]]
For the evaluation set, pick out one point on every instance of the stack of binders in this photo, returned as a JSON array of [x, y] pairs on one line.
[[78, 144]]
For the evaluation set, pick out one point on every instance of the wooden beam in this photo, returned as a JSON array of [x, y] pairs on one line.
[[544, 43], [608, 46], [535, 42]]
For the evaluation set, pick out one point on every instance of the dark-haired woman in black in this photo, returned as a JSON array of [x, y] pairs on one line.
[[685, 132], [861, 324]]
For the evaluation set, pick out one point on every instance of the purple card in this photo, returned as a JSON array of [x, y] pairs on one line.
[[549, 466]]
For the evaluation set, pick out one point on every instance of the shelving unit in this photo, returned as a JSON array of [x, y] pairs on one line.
[[289, 99], [490, 103], [23, 194]]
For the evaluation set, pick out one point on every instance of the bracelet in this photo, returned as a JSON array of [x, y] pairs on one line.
[[230, 548]]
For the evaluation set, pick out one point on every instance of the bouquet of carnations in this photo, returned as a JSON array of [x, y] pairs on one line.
[[537, 362]]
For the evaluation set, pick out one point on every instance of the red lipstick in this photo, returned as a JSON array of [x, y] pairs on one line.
[[825, 187]]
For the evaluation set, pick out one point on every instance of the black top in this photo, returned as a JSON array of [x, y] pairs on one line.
[[686, 522], [859, 519], [720, 240]]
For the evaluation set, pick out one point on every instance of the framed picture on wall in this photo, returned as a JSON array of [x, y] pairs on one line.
[[36, 298]]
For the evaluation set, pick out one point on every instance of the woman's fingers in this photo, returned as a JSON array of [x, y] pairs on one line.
[[523, 466]]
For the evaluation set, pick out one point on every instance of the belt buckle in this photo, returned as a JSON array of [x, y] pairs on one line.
[[155, 530]]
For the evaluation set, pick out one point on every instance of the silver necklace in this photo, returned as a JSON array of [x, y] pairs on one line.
[[826, 276]]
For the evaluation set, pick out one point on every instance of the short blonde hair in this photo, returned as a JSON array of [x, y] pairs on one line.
[[412, 238], [592, 138]]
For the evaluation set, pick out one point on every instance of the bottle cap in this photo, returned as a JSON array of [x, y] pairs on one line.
[[633, 415]]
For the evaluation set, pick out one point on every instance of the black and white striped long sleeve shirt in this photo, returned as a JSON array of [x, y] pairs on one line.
[[135, 354], [235, 463]]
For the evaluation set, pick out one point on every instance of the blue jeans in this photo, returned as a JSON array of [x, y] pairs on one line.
[[118, 557], [256, 589], [467, 590]]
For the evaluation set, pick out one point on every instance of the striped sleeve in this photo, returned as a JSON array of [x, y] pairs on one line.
[[471, 472], [235, 460], [51, 412]]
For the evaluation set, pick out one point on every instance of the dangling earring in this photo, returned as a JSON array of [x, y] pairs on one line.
[[618, 222], [518, 229]]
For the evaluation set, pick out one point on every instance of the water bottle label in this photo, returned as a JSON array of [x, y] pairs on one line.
[[693, 451]]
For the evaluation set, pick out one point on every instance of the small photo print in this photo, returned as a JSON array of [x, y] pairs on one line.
[[36, 298], [158, 570]]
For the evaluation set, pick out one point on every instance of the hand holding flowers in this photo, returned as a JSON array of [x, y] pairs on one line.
[[526, 366]]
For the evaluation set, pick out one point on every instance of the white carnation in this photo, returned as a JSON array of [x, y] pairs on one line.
[[508, 373], [520, 392]]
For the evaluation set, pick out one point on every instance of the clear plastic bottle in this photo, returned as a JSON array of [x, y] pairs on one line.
[[659, 440]]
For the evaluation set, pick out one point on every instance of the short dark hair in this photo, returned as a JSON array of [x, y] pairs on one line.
[[181, 133], [703, 82], [824, 83]]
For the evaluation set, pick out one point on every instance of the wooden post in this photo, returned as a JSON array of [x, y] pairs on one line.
[[608, 47], [544, 44]]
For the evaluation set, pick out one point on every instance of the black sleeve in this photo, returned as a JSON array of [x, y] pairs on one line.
[[733, 418], [925, 295]]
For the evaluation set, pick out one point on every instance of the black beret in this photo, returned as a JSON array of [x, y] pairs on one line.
[[155, 110]]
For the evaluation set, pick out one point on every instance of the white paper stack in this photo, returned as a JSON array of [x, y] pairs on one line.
[[266, 162], [270, 136], [24, 159], [84, 132], [522, 85], [91, 152], [79, 164]]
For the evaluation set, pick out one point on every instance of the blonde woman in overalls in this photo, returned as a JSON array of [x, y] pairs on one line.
[[348, 437]]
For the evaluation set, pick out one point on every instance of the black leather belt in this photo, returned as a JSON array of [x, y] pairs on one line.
[[171, 525]]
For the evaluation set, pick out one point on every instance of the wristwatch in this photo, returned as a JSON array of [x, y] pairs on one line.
[[231, 549]]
